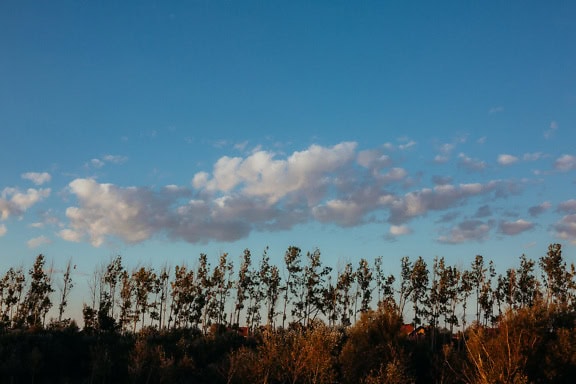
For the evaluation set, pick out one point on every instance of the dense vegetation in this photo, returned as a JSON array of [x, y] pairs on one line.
[[299, 323]]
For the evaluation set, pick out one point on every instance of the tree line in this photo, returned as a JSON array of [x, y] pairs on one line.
[[305, 322]]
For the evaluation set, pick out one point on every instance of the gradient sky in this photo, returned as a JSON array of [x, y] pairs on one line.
[[158, 131]]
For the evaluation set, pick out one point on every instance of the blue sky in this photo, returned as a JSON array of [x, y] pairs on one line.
[[158, 131]]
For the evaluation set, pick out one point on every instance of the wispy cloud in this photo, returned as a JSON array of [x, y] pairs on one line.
[[537, 210], [495, 110], [400, 230], [38, 241], [565, 228], [37, 177], [565, 163], [15, 203], [468, 230], [549, 133], [3, 230], [534, 156], [470, 164], [568, 206], [506, 159], [98, 163], [515, 227], [266, 191]]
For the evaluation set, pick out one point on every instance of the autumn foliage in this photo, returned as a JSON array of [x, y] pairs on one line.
[[302, 322]]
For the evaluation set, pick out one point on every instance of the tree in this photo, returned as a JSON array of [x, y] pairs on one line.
[[344, 286], [374, 340], [364, 278], [477, 277], [37, 301], [405, 283], [65, 290], [311, 301], [292, 259], [465, 290], [13, 287], [419, 284], [527, 284], [242, 284], [111, 278], [270, 279], [143, 282], [556, 278]]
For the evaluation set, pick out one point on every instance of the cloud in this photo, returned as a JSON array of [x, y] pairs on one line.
[[445, 151], [566, 228], [265, 191], [539, 209], [505, 159], [38, 241], [441, 180], [568, 206], [495, 110], [14, 202], [441, 197], [409, 144], [400, 230], [262, 175], [115, 159], [483, 211], [130, 213], [469, 230], [37, 178], [565, 163], [448, 217], [96, 163], [3, 230], [515, 227], [549, 133], [532, 156], [106, 159], [469, 164]]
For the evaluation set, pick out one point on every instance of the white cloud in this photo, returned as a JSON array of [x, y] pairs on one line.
[[261, 175], [265, 191], [37, 178], [539, 209], [568, 206], [38, 241], [115, 159], [106, 159], [494, 110], [96, 163], [565, 163], [566, 228], [441, 159], [14, 202], [515, 227], [407, 145], [70, 235], [532, 156], [3, 230], [469, 230], [551, 130], [506, 159], [441, 197], [400, 230], [471, 165]]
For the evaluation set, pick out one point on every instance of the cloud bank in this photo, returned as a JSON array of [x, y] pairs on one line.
[[264, 191]]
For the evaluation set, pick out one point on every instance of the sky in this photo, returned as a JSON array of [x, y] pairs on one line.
[[160, 130]]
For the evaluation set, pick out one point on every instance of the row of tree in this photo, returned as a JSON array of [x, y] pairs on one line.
[[304, 291], [179, 325]]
